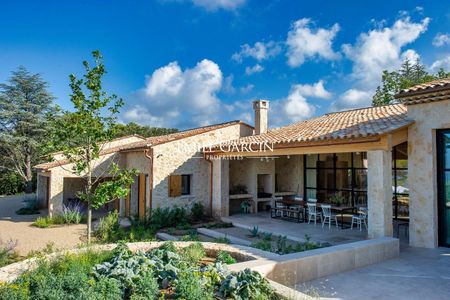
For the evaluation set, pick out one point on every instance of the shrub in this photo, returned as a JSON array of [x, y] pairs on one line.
[[194, 253], [8, 254], [14, 292], [262, 245], [191, 237], [108, 226], [11, 183], [31, 207], [222, 240], [189, 287], [105, 288], [43, 222], [225, 257], [198, 211], [219, 225], [166, 217], [72, 213], [246, 284], [146, 287]]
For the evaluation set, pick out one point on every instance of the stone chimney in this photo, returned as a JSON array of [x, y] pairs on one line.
[[261, 117]]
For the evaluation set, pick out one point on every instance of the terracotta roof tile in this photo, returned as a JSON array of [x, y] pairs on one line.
[[372, 121], [149, 142], [157, 140], [425, 87]]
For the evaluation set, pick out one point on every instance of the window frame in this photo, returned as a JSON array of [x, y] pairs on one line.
[[353, 190]]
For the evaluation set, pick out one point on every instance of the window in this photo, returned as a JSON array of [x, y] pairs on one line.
[[185, 184], [344, 174], [179, 185], [400, 188]]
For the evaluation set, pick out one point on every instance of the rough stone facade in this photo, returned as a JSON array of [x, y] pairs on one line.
[[422, 172], [379, 193], [183, 157]]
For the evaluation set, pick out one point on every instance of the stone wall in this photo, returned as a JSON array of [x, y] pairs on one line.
[[289, 174], [182, 157], [422, 170]]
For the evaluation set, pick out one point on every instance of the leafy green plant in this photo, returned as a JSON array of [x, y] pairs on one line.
[[31, 207], [193, 236], [184, 226], [189, 287], [145, 287], [43, 222], [246, 284], [225, 257], [262, 245], [193, 253], [219, 225], [267, 236], [281, 244], [254, 232], [108, 226], [222, 240], [198, 211], [8, 254]]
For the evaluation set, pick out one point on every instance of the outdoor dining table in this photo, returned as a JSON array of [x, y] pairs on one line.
[[340, 210]]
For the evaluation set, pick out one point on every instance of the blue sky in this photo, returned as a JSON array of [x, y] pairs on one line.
[[191, 63]]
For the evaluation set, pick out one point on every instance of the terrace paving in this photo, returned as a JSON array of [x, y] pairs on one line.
[[296, 231], [417, 274]]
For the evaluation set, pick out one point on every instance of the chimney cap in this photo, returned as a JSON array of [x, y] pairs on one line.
[[258, 104]]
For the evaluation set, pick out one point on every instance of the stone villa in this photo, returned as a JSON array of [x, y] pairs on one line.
[[394, 160]]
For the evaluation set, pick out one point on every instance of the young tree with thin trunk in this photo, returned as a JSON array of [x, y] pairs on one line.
[[83, 134], [25, 104]]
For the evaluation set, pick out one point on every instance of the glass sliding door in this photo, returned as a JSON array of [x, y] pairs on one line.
[[343, 174], [443, 155]]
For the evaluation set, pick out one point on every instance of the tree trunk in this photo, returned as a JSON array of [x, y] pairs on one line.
[[29, 175], [89, 222]]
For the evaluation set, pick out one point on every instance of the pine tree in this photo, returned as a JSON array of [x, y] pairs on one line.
[[24, 105], [408, 75]]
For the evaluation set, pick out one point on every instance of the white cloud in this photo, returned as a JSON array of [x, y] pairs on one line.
[[441, 63], [247, 89], [255, 69], [381, 49], [173, 97], [296, 107], [213, 5], [441, 39], [260, 51], [228, 85], [316, 90], [352, 98], [305, 42], [411, 55]]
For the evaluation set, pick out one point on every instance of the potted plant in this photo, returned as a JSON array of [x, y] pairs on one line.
[[337, 200], [245, 206]]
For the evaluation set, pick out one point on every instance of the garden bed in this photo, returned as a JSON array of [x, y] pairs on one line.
[[269, 242], [140, 271]]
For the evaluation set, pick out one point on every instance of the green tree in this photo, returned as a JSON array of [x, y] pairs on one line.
[[25, 104], [83, 133], [145, 131], [407, 76]]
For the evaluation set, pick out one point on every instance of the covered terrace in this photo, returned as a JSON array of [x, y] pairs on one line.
[[344, 159]]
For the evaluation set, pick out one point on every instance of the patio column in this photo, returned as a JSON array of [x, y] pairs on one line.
[[379, 193], [56, 195], [220, 188]]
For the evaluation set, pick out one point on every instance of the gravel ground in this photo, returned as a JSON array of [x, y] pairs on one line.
[[18, 228]]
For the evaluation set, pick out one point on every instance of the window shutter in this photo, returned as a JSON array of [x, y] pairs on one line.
[[174, 185]]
